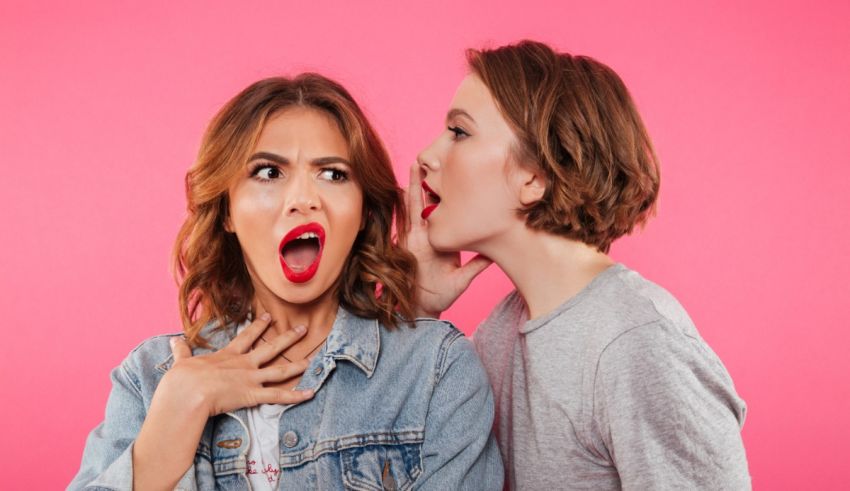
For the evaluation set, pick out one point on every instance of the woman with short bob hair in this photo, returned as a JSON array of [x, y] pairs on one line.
[[299, 366], [601, 379]]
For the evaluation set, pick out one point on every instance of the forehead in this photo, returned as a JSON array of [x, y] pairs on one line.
[[473, 97], [302, 130]]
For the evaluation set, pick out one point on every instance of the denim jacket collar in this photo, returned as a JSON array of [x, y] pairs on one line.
[[352, 338]]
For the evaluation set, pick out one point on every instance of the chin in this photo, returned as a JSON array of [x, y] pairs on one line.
[[301, 296], [444, 242], [301, 293]]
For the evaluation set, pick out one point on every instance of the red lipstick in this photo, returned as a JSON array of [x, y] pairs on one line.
[[433, 197], [309, 236]]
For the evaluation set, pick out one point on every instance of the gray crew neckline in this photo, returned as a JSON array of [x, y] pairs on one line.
[[531, 325]]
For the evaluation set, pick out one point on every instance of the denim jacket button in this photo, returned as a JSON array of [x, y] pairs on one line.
[[317, 370], [290, 439]]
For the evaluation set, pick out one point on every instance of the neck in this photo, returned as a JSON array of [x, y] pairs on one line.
[[318, 316], [546, 269]]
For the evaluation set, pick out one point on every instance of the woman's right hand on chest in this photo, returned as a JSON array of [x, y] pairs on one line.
[[233, 377], [199, 387]]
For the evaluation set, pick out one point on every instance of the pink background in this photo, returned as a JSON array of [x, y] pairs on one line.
[[102, 108]]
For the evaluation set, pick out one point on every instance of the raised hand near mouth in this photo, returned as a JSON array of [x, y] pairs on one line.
[[441, 277], [199, 387]]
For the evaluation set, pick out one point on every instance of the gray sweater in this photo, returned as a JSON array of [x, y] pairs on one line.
[[613, 389]]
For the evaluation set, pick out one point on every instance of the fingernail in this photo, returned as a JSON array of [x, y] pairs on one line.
[[266, 316], [300, 329]]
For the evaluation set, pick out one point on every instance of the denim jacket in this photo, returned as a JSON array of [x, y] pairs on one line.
[[408, 408]]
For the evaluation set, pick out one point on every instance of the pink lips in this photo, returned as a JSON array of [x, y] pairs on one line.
[[426, 212], [307, 274]]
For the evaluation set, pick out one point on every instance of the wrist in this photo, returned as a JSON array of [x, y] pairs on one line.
[[178, 396]]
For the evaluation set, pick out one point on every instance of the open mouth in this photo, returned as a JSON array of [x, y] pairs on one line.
[[432, 200], [301, 251]]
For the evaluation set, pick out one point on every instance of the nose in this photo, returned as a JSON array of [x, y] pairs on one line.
[[302, 195], [427, 159]]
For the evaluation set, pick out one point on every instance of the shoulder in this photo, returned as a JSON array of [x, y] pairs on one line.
[[661, 361], [437, 341], [144, 366], [624, 304], [424, 329], [509, 313], [150, 353], [511, 308]]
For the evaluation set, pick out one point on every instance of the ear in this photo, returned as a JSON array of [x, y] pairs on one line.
[[532, 185], [228, 226]]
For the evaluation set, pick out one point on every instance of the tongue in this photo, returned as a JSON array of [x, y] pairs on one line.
[[300, 254]]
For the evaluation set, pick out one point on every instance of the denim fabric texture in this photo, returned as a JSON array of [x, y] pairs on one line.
[[409, 408]]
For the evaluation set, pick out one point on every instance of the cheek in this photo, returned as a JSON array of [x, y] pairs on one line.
[[478, 201], [249, 210], [345, 213], [476, 180]]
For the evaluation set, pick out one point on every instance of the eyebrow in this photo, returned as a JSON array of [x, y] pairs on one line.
[[333, 159], [455, 112]]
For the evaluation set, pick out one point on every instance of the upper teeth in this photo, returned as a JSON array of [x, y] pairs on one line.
[[308, 235]]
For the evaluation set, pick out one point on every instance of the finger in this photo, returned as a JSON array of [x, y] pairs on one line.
[[414, 194], [244, 340], [268, 395], [473, 268], [269, 350], [179, 348], [281, 373]]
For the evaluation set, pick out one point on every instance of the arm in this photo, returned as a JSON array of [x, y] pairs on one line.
[[152, 449], [107, 458], [460, 451], [668, 413]]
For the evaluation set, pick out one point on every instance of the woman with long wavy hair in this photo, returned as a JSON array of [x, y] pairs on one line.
[[299, 365]]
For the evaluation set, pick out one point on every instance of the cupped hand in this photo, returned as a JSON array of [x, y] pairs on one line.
[[441, 278], [233, 377]]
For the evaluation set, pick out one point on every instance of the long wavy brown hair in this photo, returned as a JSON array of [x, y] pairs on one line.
[[378, 278]]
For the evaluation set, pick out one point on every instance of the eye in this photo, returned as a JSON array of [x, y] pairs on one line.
[[333, 174], [265, 172], [458, 132]]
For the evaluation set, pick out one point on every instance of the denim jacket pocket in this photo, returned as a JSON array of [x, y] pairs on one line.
[[393, 467]]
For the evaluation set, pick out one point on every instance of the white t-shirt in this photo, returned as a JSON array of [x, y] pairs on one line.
[[264, 451]]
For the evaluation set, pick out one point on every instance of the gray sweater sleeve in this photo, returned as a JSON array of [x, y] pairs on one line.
[[667, 413]]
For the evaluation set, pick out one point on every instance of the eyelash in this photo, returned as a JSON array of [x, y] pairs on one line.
[[255, 171], [256, 168], [458, 132], [343, 175]]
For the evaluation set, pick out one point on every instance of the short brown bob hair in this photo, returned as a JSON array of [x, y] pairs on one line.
[[378, 278], [574, 120]]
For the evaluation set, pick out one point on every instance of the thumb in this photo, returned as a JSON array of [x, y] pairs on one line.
[[179, 348], [473, 268]]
